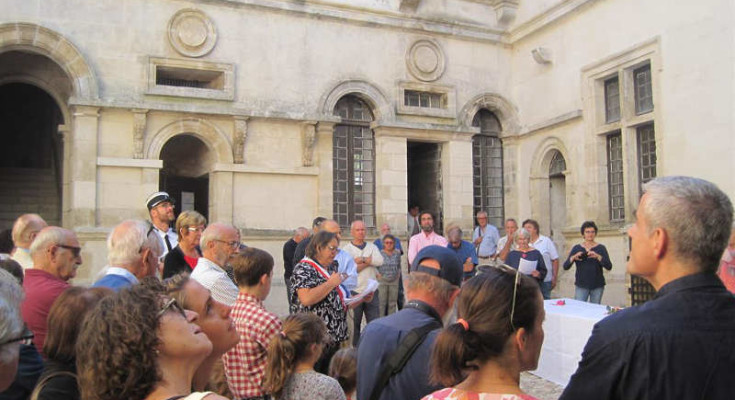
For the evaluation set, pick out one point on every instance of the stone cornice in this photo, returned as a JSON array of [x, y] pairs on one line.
[[544, 19]]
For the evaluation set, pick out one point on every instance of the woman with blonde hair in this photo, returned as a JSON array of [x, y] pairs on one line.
[[292, 354], [184, 257], [498, 335]]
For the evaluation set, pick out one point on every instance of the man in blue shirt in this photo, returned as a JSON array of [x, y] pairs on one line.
[[464, 250], [485, 238], [385, 230], [133, 251], [431, 288], [679, 345]]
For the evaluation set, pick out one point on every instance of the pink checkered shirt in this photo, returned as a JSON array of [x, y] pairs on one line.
[[245, 363]]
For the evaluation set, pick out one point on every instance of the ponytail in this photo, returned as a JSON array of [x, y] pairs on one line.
[[289, 347]]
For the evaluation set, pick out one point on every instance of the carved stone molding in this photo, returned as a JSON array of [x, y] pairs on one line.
[[139, 120], [409, 5], [308, 134], [192, 33], [505, 10], [425, 60], [239, 134]]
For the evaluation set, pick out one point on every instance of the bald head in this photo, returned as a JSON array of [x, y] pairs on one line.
[[332, 226], [132, 246], [26, 228]]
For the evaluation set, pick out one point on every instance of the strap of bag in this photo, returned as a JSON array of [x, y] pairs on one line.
[[400, 356], [39, 387]]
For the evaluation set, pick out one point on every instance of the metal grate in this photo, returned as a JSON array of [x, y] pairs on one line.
[[643, 90], [354, 164], [415, 98], [640, 290], [612, 100], [646, 154], [615, 186], [487, 168]]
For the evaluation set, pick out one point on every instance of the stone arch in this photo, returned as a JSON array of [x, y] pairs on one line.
[[202, 129], [45, 86], [502, 108], [366, 91], [37, 39], [543, 155]]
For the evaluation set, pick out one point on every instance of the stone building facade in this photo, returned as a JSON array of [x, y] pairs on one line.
[[267, 113]]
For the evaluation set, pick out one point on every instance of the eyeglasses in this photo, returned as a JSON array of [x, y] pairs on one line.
[[26, 335], [171, 304], [195, 229], [333, 248], [75, 250], [507, 268], [234, 244]]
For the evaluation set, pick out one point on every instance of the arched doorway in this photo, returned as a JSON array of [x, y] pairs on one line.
[[354, 163], [187, 162], [487, 168], [31, 156], [557, 199]]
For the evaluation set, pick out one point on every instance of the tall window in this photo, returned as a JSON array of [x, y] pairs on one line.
[[646, 153], [354, 163], [487, 167], [612, 100], [643, 90], [615, 184]]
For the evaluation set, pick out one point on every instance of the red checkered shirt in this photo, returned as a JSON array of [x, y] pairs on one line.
[[245, 363]]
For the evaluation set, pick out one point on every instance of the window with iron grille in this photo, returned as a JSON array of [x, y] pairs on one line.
[[646, 154], [487, 168], [643, 90], [615, 184], [353, 163], [612, 100]]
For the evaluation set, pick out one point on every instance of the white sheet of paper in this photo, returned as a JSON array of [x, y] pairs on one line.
[[526, 267], [372, 286]]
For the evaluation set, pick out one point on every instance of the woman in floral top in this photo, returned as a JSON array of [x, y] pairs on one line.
[[499, 333]]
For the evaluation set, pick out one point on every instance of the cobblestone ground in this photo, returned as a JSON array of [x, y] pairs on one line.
[[539, 387]]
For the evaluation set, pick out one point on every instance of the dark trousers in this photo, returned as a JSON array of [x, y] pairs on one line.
[[371, 311], [287, 279], [401, 296], [322, 365]]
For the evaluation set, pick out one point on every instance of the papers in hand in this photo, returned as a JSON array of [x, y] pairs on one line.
[[526, 267], [371, 287]]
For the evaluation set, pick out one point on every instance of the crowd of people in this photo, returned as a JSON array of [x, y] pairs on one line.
[[178, 312]]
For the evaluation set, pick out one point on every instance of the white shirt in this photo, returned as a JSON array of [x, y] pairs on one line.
[[367, 273], [501, 244], [173, 238], [547, 249], [23, 257], [214, 278]]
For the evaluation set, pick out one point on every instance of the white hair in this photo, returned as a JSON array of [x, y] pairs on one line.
[[48, 236], [24, 227], [522, 232], [11, 322], [127, 241], [213, 232], [696, 215]]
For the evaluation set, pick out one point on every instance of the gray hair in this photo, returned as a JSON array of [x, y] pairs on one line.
[[25, 226], [696, 215], [48, 236], [481, 213], [11, 322], [521, 232], [301, 232], [213, 232], [127, 240]]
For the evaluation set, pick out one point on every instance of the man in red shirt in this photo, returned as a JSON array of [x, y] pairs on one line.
[[56, 255], [245, 363]]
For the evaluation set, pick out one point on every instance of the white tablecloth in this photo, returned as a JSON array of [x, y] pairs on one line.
[[567, 329]]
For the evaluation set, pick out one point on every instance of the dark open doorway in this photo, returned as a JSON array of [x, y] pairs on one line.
[[425, 179], [31, 156], [185, 174]]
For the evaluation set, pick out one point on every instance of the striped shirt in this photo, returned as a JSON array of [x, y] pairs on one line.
[[214, 278]]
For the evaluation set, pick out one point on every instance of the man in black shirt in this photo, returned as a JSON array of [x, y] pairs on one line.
[[289, 248], [680, 344]]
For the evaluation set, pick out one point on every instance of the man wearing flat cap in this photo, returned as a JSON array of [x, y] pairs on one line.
[[431, 288], [161, 209]]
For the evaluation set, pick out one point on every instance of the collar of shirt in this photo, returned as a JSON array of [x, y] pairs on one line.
[[124, 273], [699, 280], [205, 262], [243, 297]]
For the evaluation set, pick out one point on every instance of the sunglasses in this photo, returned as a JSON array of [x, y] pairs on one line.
[[171, 304], [75, 250], [516, 283], [26, 336]]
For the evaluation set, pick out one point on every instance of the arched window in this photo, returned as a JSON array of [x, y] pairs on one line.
[[557, 166], [354, 163], [487, 167]]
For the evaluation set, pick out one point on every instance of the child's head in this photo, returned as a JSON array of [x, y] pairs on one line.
[[343, 368], [301, 337]]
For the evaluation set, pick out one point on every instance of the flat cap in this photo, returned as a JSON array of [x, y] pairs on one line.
[[158, 198]]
